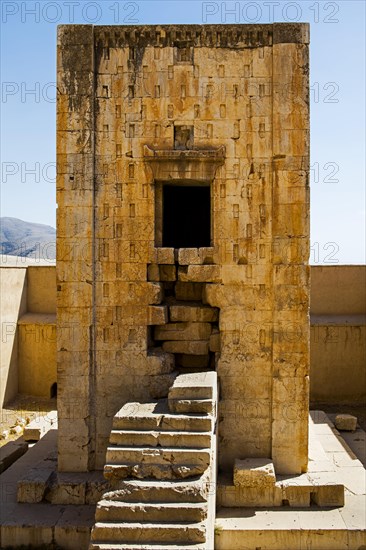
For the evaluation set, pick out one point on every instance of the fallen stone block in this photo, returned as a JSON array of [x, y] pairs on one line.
[[346, 422], [254, 472], [38, 427], [17, 430]]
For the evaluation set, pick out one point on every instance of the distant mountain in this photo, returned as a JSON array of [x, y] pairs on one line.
[[30, 240]]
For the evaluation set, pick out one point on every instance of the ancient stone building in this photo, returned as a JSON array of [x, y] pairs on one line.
[[183, 230]]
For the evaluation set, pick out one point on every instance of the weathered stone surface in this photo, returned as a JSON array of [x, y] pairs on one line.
[[160, 362], [161, 272], [108, 510], [10, 452], [194, 386], [186, 347], [134, 490], [153, 273], [189, 256], [131, 98], [159, 384], [183, 331], [197, 440], [115, 532], [200, 274], [254, 472], [196, 256], [167, 272], [157, 315], [164, 255], [33, 486], [188, 291], [192, 361], [150, 416], [38, 427], [116, 472], [186, 406], [186, 313], [215, 341], [345, 422]]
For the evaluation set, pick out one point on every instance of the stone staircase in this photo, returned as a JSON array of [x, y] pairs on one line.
[[161, 464]]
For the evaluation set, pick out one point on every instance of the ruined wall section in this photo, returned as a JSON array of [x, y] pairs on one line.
[[239, 86], [75, 248]]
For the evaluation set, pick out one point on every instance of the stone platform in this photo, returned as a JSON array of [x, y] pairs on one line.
[[332, 462], [243, 528], [34, 525]]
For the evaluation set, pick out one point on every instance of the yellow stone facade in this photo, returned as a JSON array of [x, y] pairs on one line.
[[223, 107]]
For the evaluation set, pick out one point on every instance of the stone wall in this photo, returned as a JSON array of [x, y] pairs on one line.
[[140, 108], [28, 339], [337, 342], [13, 284], [338, 334]]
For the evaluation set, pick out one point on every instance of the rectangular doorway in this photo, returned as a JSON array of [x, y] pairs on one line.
[[186, 216]]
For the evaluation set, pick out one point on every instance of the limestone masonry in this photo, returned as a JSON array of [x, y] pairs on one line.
[[183, 232]]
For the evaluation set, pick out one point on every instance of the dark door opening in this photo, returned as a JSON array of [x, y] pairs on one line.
[[186, 216]]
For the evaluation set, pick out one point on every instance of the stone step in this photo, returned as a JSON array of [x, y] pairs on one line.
[[136, 490], [157, 416], [162, 512], [193, 440], [123, 454], [159, 532], [192, 406], [201, 385], [115, 472]]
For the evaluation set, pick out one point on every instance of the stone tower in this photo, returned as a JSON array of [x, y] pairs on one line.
[[183, 162]]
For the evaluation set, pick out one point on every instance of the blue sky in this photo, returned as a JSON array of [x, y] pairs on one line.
[[337, 78]]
